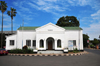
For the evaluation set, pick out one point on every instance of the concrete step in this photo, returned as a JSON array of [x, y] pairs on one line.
[[49, 52]]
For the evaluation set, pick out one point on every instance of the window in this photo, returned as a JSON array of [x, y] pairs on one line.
[[28, 42], [71, 44], [74, 42], [59, 43], [41, 43], [34, 43], [11, 42]]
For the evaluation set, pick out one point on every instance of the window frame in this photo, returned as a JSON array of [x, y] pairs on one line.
[[12, 44], [58, 43], [41, 43], [34, 43], [74, 41], [28, 44]]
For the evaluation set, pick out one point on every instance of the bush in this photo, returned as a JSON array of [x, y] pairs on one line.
[[75, 50], [92, 46], [27, 51], [21, 51], [15, 51]]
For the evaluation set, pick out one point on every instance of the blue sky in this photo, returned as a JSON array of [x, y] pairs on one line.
[[41, 12]]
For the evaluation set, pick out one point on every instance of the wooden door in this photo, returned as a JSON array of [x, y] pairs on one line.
[[49, 45]]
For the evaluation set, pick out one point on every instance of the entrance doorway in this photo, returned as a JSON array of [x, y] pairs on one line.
[[50, 43]]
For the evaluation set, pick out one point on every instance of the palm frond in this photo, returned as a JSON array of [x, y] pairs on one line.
[[3, 6], [15, 12], [12, 12], [8, 12]]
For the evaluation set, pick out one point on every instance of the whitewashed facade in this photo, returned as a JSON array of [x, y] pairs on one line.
[[47, 37]]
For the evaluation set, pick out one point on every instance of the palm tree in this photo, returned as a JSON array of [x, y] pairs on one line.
[[3, 8], [11, 14]]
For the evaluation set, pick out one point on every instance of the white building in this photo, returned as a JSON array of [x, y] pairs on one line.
[[47, 37]]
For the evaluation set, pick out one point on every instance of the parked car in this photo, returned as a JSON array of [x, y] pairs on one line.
[[3, 52]]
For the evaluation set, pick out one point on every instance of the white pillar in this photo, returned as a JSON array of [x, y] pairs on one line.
[[37, 44], [31, 44], [45, 44], [55, 44]]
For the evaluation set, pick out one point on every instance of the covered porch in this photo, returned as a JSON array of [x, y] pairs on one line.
[[50, 44]]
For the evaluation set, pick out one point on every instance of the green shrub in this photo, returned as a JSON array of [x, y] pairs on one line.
[[75, 50], [92, 46], [21, 51], [15, 51], [27, 51]]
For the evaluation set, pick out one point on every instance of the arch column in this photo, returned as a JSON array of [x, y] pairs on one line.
[[31, 44], [55, 44], [45, 44]]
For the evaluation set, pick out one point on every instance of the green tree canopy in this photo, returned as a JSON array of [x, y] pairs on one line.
[[85, 38], [68, 21], [95, 41]]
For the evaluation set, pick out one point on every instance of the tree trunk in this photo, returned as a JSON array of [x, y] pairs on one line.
[[11, 25], [2, 31]]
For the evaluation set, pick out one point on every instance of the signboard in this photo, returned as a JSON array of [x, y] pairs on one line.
[[70, 45], [87, 41]]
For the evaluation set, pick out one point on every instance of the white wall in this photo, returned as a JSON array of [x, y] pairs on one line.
[[74, 35], [8, 38], [25, 35], [49, 27]]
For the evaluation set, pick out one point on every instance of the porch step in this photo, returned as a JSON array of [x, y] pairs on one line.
[[49, 52]]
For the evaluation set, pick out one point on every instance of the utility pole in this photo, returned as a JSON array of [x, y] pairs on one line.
[[22, 32], [79, 36]]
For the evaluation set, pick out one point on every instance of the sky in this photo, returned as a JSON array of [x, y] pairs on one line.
[[41, 12]]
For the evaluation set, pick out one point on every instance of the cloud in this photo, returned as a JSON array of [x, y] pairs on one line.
[[6, 26], [93, 3], [25, 16], [22, 5], [53, 6], [93, 31], [48, 6], [96, 15], [94, 28], [6, 18]]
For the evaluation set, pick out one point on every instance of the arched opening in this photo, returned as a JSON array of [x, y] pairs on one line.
[[41, 43], [59, 43], [50, 43]]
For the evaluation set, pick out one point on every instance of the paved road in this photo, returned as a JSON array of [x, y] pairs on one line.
[[91, 59], [96, 51]]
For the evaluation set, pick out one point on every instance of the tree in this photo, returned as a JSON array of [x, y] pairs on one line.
[[12, 14], [85, 38], [95, 41], [99, 38], [3, 8], [3, 41], [68, 21]]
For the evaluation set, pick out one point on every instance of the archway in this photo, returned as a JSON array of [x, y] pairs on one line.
[[50, 43]]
